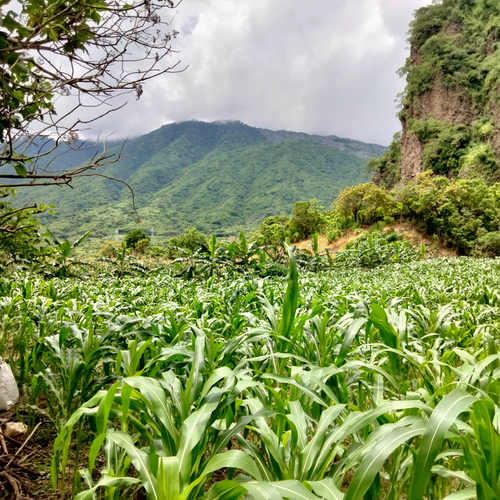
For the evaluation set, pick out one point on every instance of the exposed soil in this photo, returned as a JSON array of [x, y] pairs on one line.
[[435, 248], [336, 246], [25, 462]]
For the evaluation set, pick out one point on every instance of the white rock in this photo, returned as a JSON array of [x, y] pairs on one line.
[[9, 394]]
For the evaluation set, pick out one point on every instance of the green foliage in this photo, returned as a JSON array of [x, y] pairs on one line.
[[444, 153], [350, 379], [445, 145], [306, 219], [482, 456], [387, 169], [365, 202], [21, 240], [378, 249], [34, 34], [219, 177], [143, 245], [420, 79], [190, 240], [60, 262], [489, 244], [428, 22], [480, 160], [273, 230], [456, 149], [134, 237], [462, 211], [455, 41], [122, 263], [333, 233]]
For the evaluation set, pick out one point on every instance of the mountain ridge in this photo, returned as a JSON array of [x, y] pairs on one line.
[[219, 177]]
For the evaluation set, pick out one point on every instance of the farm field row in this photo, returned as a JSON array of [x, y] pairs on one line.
[[338, 384]]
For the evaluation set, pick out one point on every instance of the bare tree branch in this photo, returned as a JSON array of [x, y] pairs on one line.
[[93, 52]]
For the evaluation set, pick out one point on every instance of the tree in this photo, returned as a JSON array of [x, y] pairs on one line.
[[306, 219], [134, 237], [363, 200], [273, 230], [20, 238], [190, 239], [88, 52]]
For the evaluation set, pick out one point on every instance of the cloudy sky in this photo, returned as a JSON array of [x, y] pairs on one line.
[[317, 66]]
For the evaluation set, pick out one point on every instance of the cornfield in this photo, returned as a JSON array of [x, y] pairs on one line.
[[343, 384]]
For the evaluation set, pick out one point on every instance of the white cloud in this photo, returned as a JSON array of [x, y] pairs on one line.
[[321, 66]]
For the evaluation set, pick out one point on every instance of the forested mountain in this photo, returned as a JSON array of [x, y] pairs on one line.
[[219, 177]]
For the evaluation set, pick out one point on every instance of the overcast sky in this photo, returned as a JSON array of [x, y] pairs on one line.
[[317, 66]]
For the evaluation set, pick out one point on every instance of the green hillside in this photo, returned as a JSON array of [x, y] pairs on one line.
[[219, 177]]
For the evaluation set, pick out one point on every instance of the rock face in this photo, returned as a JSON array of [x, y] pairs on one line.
[[411, 155], [451, 105]]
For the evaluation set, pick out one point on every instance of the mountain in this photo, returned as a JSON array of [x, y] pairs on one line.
[[450, 112], [219, 177]]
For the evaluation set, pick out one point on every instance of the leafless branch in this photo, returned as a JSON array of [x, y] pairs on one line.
[[125, 48]]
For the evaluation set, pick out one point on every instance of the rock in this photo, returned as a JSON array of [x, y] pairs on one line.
[[13, 429], [9, 394]]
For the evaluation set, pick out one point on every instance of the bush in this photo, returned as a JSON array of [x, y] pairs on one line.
[[20, 237], [461, 211], [489, 245], [108, 250], [333, 233], [270, 269], [158, 251], [134, 236], [364, 202], [142, 246], [377, 249], [428, 22], [273, 230], [386, 171], [190, 240]]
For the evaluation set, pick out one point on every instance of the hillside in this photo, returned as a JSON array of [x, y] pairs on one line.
[[450, 112], [220, 177]]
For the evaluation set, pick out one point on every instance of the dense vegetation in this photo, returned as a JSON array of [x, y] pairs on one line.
[[218, 177], [454, 48], [465, 213], [331, 385]]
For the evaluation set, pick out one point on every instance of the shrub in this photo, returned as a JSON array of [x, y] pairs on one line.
[[386, 171], [20, 235], [489, 244], [364, 202], [428, 22], [108, 250], [333, 233], [134, 236], [143, 245], [273, 230], [190, 239]]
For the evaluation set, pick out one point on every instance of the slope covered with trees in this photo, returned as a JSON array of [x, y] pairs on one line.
[[219, 177]]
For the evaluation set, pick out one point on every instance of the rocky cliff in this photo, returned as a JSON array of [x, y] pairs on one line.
[[450, 109]]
